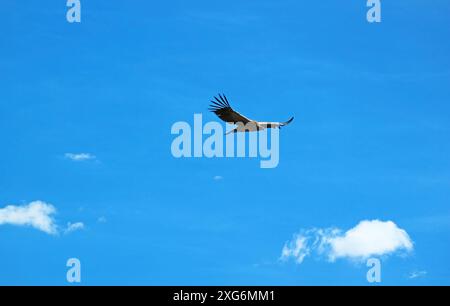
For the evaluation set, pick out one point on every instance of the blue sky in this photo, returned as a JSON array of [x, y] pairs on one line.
[[369, 140]]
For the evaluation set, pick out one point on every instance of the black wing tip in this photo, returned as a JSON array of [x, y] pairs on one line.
[[220, 102], [224, 99]]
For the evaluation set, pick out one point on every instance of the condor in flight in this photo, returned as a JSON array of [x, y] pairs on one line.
[[221, 107]]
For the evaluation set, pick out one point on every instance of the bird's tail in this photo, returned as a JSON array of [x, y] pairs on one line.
[[231, 131], [287, 122]]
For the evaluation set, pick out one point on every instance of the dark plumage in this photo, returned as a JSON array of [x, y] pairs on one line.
[[221, 107]]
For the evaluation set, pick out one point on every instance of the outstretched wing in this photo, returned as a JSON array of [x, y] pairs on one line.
[[274, 125], [221, 107]]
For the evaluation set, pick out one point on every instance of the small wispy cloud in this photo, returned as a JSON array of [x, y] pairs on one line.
[[365, 240], [72, 227], [37, 214], [417, 274], [102, 219], [218, 178], [297, 249], [79, 156]]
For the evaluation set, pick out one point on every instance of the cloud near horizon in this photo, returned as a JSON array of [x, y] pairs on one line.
[[417, 274], [37, 214], [367, 239], [79, 156]]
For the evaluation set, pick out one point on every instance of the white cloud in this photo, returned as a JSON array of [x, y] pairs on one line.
[[72, 227], [102, 219], [79, 156], [218, 178], [417, 274], [370, 238], [297, 249], [367, 239], [37, 214]]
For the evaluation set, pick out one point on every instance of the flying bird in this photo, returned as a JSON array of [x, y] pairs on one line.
[[221, 107]]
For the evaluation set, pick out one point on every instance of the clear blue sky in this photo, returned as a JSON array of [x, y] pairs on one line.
[[370, 139]]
